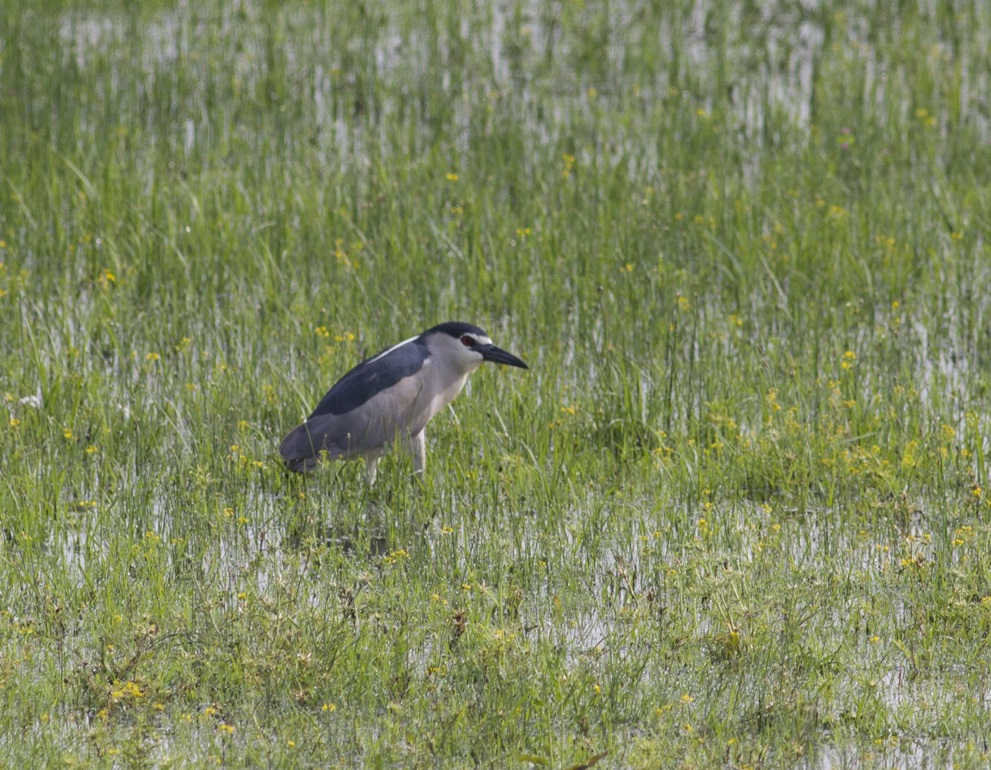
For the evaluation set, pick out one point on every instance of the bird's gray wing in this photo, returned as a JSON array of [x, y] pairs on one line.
[[371, 424]]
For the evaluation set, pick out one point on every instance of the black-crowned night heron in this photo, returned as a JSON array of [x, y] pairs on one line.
[[392, 396]]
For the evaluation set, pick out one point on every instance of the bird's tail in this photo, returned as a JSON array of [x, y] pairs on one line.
[[299, 451]]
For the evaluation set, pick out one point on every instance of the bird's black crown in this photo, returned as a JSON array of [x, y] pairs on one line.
[[455, 329]]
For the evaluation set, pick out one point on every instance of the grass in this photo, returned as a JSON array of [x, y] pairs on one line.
[[737, 512]]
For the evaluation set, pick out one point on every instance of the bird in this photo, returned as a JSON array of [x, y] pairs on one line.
[[390, 396]]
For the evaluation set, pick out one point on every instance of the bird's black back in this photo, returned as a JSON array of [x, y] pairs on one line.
[[372, 376]]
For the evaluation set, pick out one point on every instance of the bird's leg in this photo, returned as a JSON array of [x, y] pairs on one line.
[[371, 468], [418, 448]]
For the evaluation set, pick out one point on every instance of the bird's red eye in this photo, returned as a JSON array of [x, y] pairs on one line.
[[467, 341]]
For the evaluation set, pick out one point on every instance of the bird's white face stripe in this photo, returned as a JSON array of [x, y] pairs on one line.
[[481, 339], [387, 352]]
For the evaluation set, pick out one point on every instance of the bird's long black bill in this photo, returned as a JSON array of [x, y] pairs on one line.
[[500, 356]]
